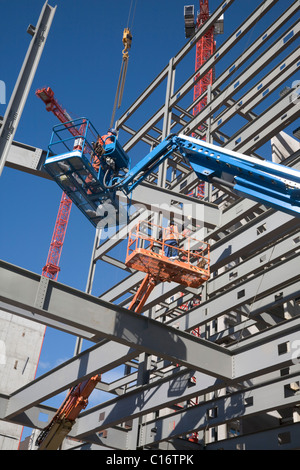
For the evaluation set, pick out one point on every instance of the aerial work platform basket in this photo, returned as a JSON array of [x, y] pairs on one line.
[[69, 163], [146, 249]]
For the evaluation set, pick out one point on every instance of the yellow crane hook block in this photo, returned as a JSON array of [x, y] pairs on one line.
[[127, 39]]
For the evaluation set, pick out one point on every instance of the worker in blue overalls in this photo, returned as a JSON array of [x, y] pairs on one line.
[[171, 238]]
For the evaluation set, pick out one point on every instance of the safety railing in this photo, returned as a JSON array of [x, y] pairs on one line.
[[83, 134], [152, 238]]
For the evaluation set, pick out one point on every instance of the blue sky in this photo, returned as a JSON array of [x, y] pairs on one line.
[[81, 63]]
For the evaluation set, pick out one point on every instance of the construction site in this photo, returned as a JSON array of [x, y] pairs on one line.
[[186, 321]]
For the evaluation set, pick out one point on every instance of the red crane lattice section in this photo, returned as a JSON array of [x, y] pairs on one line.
[[51, 268], [204, 49]]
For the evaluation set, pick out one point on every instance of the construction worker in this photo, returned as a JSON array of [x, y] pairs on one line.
[[98, 151], [99, 148], [171, 237]]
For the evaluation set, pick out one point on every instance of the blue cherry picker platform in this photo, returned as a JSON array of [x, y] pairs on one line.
[[69, 162]]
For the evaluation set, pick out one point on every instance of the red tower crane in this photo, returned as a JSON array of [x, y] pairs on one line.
[[51, 268], [204, 49]]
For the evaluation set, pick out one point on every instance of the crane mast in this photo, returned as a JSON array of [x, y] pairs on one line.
[[204, 50]]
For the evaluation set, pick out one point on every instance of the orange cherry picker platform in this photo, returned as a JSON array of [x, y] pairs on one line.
[[147, 253]]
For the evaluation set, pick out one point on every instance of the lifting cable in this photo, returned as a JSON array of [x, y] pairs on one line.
[[127, 39]]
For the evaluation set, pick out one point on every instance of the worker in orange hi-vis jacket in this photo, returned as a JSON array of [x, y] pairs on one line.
[[171, 237], [99, 151], [99, 148]]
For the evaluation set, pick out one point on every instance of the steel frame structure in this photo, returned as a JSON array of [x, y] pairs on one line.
[[18, 98], [244, 367]]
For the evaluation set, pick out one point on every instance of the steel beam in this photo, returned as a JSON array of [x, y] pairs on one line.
[[177, 59], [260, 90], [228, 249], [271, 281], [234, 87], [260, 261], [96, 360], [241, 404], [246, 356], [28, 159], [281, 438], [159, 199], [183, 90], [147, 399], [153, 395], [102, 319], [251, 49], [53, 323], [262, 230], [261, 313], [112, 438], [221, 52], [271, 122], [19, 96], [126, 285]]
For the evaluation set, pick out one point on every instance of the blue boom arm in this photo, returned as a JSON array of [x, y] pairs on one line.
[[263, 181]]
